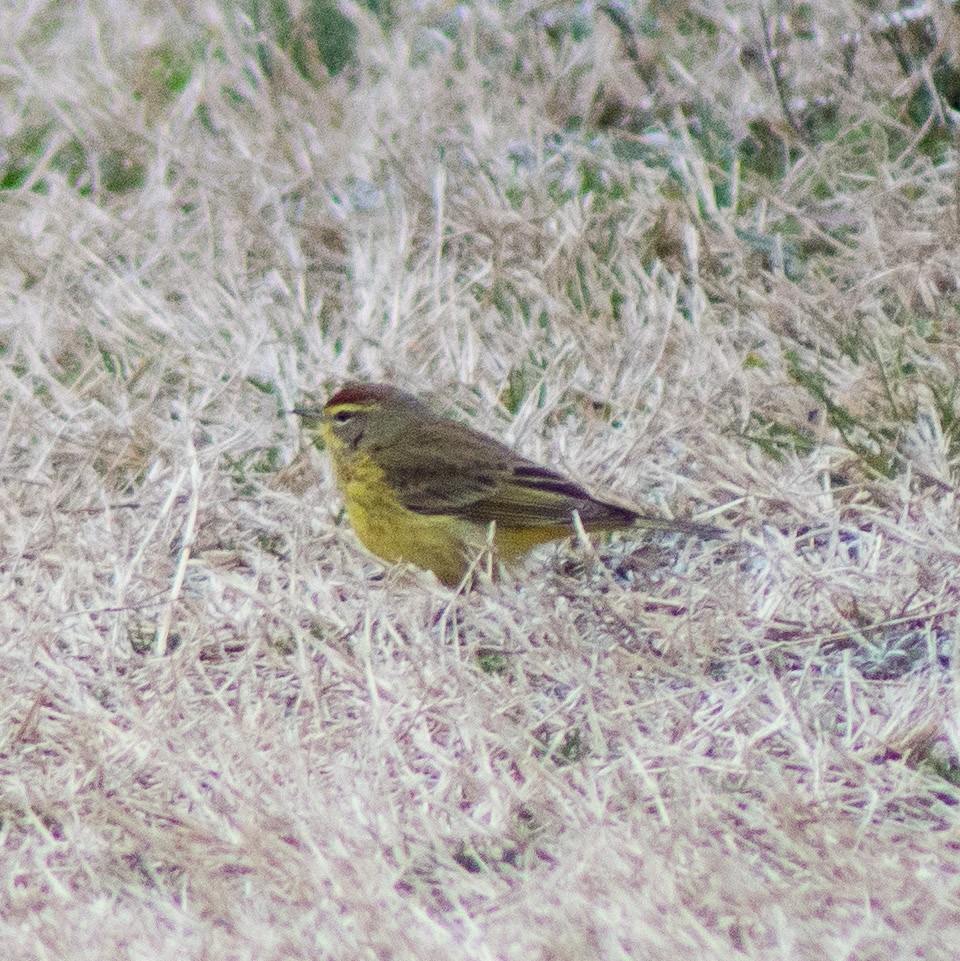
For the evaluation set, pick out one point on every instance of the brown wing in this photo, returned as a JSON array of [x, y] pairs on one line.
[[482, 480], [449, 469], [529, 495]]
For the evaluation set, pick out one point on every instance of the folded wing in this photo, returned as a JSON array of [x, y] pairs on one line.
[[483, 481]]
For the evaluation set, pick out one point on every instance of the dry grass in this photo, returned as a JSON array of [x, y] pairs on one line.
[[700, 257]]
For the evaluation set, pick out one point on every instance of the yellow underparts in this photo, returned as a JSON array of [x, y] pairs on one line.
[[441, 543]]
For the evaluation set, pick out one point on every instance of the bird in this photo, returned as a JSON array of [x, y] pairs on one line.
[[431, 491]]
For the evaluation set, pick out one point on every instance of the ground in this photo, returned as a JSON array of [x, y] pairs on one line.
[[701, 257]]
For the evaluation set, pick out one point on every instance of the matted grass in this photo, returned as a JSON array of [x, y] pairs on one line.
[[698, 255]]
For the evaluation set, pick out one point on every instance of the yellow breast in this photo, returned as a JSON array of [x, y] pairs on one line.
[[442, 544]]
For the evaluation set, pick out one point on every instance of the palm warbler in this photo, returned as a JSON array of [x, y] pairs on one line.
[[425, 489]]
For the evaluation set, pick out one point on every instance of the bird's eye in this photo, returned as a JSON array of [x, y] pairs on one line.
[[342, 416]]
